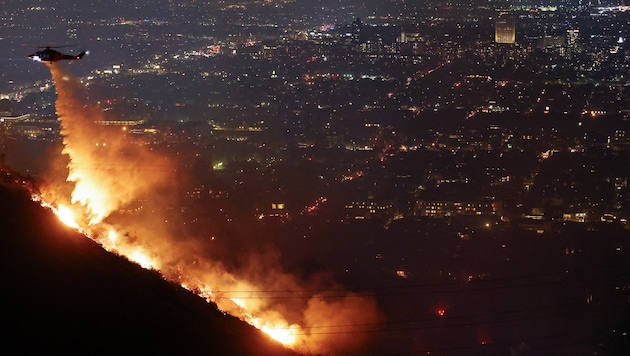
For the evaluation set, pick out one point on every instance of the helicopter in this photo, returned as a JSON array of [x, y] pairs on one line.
[[49, 55]]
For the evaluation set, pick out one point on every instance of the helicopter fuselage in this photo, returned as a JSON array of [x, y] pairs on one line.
[[49, 55]]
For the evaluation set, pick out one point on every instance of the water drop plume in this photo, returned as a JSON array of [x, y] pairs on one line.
[[108, 172]]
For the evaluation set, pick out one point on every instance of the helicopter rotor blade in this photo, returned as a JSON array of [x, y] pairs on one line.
[[47, 46], [61, 46]]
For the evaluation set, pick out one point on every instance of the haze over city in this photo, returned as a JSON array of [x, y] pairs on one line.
[[350, 177]]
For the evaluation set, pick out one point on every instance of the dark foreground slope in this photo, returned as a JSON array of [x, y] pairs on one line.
[[62, 294]]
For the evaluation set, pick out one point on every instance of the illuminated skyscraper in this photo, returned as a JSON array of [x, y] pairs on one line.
[[505, 27], [572, 38]]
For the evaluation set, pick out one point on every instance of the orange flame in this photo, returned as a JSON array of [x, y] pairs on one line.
[[66, 216], [282, 333]]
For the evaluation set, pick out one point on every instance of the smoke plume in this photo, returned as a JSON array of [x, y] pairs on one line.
[[108, 172]]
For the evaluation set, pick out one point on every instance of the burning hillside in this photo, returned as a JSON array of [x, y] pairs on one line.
[[106, 173], [64, 294]]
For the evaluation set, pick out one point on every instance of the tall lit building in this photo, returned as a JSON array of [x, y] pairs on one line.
[[572, 38], [505, 27]]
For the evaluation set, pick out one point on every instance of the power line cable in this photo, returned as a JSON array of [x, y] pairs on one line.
[[512, 280]]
